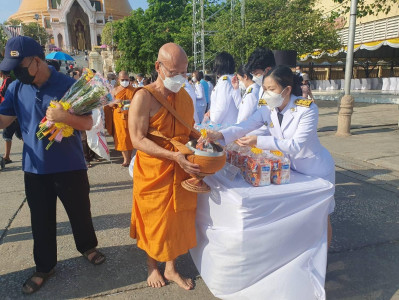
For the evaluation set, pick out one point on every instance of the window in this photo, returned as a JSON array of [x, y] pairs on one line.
[[55, 3], [96, 4]]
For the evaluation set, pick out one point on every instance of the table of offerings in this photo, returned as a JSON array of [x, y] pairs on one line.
[[265, 242]]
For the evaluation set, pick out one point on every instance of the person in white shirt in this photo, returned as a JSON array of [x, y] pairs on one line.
[[140, 80], [190, 90], [259, 63], [223, 109], [249, 101], [200, 96], [292, 125]]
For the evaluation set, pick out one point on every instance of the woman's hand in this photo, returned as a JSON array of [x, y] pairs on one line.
[[213, 135], [250, 141]]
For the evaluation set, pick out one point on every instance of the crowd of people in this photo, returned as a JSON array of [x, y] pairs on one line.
[[262, 104]]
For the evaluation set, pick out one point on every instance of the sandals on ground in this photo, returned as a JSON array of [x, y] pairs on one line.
[[29, 287], [7, 161], [97, 259]]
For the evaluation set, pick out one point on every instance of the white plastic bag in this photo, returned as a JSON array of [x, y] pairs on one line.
[[96, 136]]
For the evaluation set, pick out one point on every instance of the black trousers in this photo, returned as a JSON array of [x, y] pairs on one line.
[[41, 192]]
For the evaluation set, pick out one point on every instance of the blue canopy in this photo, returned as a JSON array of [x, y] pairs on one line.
[[59, 55]]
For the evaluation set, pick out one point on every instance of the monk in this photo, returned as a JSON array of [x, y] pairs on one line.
[[163, 214], [123, 93]]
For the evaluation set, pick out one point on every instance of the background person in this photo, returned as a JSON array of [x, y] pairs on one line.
[[223, 107], [123, 94], [249, 101], [305, 87], [199, 95]]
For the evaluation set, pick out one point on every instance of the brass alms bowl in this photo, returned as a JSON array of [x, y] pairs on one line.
[[209, 162]]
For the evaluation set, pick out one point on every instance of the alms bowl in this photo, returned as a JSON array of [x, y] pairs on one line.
[[209, 162]]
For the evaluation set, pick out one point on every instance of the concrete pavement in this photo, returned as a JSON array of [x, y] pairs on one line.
[[363, 258]]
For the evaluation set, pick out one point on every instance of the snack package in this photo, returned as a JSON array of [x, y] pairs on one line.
[[258, 168], [280, 169], [241, 158], [233, 153]]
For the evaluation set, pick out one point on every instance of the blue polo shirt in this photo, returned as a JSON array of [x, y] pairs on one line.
[[206, 89], [29, 104]]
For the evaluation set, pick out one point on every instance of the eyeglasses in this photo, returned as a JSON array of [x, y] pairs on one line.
[[172, 74]]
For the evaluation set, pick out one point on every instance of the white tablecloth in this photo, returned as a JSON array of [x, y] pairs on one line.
[[263, 242]]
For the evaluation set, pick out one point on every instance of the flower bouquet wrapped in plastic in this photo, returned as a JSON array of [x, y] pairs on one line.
[[87, 93]]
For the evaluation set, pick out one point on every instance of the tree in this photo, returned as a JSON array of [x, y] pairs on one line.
[[36, 32], [276, 24], [3, 41], [367, 7], [139, 36]]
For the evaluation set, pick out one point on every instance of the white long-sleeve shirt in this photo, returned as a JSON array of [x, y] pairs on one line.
[[223, 107]]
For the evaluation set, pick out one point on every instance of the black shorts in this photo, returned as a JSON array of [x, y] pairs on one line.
[[11, 130]]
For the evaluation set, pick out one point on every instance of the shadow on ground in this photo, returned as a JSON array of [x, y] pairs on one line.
[[103, 222], [125, 268]]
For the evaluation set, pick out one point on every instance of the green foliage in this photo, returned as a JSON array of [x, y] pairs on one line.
[[277, 24], [368, 7], [36, 32], [3, 41]]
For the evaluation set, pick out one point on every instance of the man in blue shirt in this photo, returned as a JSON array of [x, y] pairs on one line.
[[58, 172]]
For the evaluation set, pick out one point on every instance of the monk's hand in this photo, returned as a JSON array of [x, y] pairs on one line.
[[57, 114], [248, 141], [187, 166]]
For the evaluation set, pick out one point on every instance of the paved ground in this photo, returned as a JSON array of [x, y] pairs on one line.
[[363, 259]]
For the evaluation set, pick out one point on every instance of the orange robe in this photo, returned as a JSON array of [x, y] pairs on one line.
[[120, 125], [163, 214]]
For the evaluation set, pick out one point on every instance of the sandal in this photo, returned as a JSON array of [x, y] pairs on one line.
[[7, 160], [97, 258], [29, 286]]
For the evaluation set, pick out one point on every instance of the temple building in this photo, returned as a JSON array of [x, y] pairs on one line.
[[73, 24]]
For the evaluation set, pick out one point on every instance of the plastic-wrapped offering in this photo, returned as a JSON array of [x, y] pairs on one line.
[[258, 168], [280, 169], [241, 158]]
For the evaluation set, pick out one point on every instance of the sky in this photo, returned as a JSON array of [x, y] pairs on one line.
[[9, 7]]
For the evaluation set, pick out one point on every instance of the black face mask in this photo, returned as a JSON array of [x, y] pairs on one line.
[[22, 74]]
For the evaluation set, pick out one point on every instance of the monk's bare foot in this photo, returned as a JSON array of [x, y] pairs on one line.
[[155, 279], [185, 283]]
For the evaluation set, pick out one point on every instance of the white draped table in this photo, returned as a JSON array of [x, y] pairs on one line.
[[263, 242]]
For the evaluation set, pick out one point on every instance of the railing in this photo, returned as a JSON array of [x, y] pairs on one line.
[[373, 31]]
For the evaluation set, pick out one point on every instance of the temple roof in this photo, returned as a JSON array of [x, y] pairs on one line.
[[28, 8]]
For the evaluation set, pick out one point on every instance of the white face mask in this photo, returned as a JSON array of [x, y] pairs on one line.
[[242, 85], [273, 99], [124, 83], [194, 79], [113, 82], [258, 79], [174, 83]]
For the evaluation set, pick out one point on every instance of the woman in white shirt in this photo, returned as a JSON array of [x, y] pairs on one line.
[[223, 108], [249, 101], [292, 125]]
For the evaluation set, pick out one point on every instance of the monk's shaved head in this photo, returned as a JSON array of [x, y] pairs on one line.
[[123, 75], [172, 54]]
